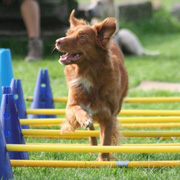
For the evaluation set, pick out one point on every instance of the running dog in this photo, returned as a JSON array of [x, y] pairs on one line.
[[96, 78]]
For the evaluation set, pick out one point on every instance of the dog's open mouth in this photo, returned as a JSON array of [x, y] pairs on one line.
[[69, 58]]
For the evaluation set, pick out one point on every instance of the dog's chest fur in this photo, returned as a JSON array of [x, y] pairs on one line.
[[82, 83], [85, 94]]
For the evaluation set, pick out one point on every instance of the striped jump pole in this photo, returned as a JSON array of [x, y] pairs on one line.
[[94, 149], [94, 164], [83, 133], [128, 99], [123, 112]]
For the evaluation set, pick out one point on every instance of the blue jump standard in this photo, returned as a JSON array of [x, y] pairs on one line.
[[5, 165], [6, 71], [11, 125], [17, 91], [42, 98]]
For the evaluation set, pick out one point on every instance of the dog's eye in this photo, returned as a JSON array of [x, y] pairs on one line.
[[82, 37]]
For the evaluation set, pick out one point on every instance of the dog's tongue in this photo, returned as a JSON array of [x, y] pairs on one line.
[[65, 57], [68, 58]]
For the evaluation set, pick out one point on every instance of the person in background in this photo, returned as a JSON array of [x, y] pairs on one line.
[[30, 12]]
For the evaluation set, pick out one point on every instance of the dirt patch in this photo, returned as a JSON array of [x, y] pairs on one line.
[[151, 85]]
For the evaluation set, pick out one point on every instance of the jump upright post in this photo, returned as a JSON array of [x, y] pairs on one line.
[[6, 70], [5, 165], [43, 98], [17, 92], [11, 125]]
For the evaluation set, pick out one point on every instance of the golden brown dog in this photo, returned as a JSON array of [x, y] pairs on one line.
[[96, 77]]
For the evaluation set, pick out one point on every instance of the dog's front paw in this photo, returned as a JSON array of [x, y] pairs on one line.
[[66, 127], [88, 123]]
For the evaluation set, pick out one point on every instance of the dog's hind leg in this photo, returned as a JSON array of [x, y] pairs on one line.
[[106, 131], [116, 135], [92, 140]]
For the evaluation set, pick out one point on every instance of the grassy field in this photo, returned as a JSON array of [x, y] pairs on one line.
[[162, 34]]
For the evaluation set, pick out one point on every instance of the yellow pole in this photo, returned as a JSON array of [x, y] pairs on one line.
[[62, 164], [121, 119], [84, 134], [149, 119], [42, 121], [153, 164], [53, 137], [94, 164], [151, 112], [152, 99], [46, 111], [52, 122], [123, 112], [128, 99], [58, 144], [55, 99], [94, 149], [125, 125], [151, 125]]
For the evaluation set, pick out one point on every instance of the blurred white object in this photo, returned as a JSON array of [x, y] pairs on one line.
[[98, 10], [127, 40]]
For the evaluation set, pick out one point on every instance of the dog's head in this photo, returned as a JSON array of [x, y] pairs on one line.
[[82, 40]]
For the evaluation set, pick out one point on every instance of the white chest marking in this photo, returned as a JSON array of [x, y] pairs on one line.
[[85, 83]]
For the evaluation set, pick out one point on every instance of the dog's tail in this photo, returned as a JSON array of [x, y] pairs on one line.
[[151, 53]]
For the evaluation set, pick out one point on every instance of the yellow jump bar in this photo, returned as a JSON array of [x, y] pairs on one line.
[[94, 164], [128, 99], [51, 122], [125, 125], [83, 133], [94, 149], [60, 144], [122, 119], [123, 112]]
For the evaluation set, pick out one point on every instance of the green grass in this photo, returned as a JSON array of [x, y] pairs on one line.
[[164, 67]]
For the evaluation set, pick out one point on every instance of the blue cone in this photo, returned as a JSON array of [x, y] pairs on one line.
[[11, 125], [5, 165], [20, 104], [6, 70], [42, 98], [17, 91], [6, 90], [0, 90]]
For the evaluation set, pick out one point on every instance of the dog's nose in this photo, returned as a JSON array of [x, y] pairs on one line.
[[59, 41]]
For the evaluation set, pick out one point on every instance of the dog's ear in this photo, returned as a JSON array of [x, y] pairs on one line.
[[74, 21], [105, 30]]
